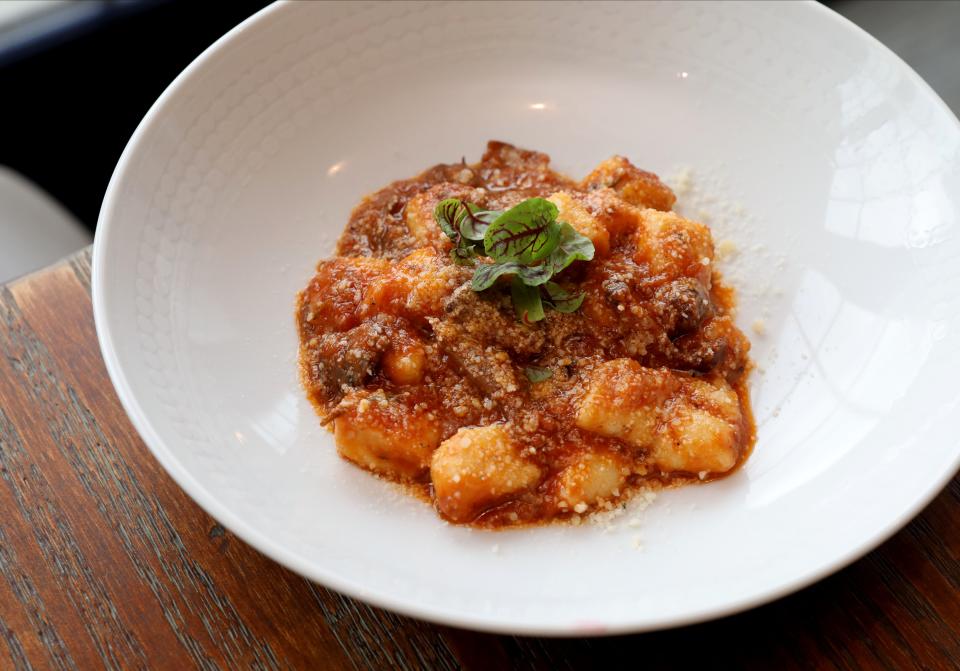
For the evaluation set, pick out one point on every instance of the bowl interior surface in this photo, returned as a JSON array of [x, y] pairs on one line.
[[829, 166]]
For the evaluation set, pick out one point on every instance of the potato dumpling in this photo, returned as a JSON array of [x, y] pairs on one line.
[[615, 214], [572, 211], [477, 468], [385, 436], [701, 434], [334, 298], [688, 424], [416, 286], [635, 186], [626, 401], [592, 477], [674, 246], [404, 365], [405, 360]]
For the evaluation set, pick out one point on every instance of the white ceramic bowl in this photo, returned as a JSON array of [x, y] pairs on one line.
[[830, 165]]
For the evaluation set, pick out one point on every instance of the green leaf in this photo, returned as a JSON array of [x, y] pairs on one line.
[[571, 247], [537, 374], [526, 241], [526, 301], [457, 218], [526, 233], [562, 300], [463, 254], [447, 214], [534, 276], [571, 305], [487, 273], [486, 216], [474, 226], [475, 222]]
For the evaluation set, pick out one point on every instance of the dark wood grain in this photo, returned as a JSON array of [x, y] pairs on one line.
[[105, 563]]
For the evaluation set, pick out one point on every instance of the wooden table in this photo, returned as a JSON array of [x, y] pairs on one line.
[[104, 562]]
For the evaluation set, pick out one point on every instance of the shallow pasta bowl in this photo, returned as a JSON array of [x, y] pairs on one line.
[[828, 170]]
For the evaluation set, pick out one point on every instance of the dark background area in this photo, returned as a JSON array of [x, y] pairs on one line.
[[72, 98]]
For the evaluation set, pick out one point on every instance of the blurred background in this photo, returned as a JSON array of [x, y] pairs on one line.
[[77, 76]]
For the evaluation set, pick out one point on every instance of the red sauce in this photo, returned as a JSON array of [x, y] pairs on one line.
[[648, 377]]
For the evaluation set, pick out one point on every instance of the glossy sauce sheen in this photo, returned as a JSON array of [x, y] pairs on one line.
[[423, 380]]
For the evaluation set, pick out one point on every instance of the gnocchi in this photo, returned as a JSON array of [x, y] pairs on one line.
[[562, 382], [687, 424], [592, 477], [385, 436], [477, 468]]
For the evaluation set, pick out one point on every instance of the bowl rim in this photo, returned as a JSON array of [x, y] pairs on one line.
[[309, 570]]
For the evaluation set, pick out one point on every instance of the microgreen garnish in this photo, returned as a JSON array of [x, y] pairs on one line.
[[465, 224], [571, 246], [562, 300], [537, 374], [526, 233], [526, 301], [525, 241]]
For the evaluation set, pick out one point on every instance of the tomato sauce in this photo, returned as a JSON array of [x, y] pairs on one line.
[[428, 382]]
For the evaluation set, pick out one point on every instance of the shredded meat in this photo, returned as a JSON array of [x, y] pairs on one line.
[[504, 422], [491, 318]]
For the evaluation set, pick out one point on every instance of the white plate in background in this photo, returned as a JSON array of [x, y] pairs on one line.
[[832, 168]]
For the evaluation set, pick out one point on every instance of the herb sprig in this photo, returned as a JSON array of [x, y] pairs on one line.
[[526, 242]]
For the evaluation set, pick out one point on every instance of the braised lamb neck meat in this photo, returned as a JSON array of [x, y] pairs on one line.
[[505, 421]]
